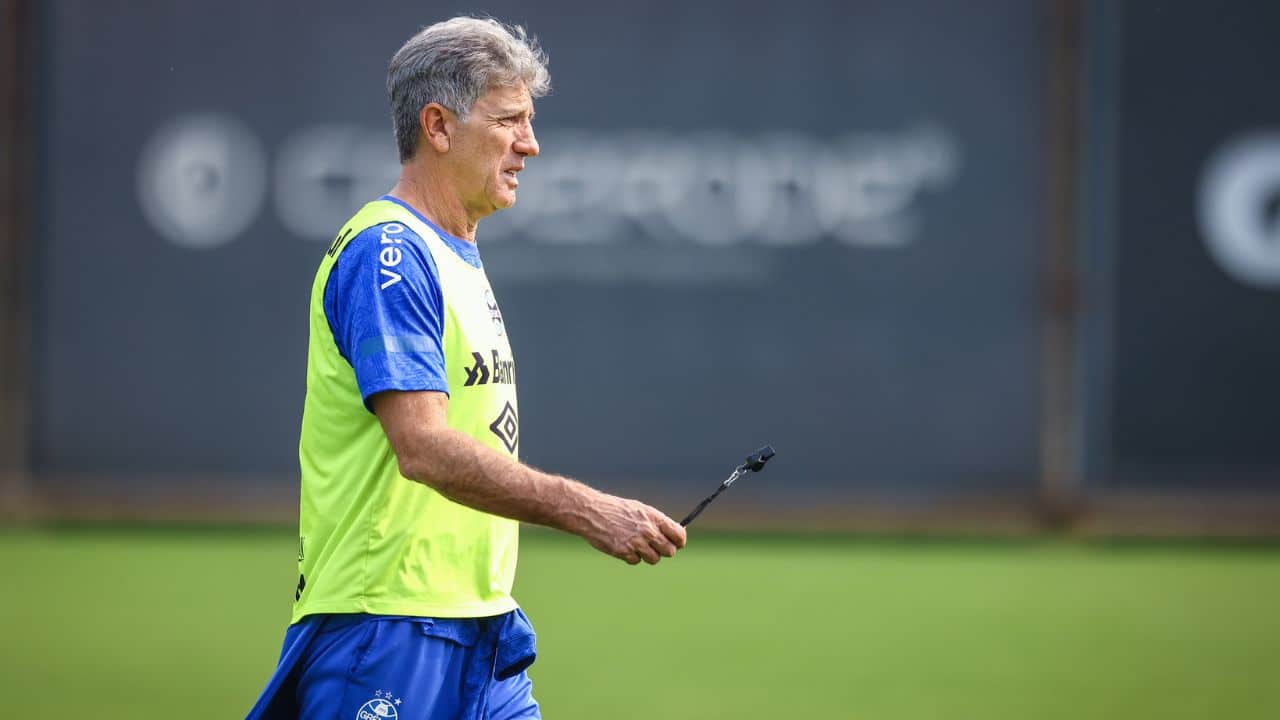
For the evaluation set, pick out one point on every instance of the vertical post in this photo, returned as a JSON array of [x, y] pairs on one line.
[[15, 141], [1060, 470]]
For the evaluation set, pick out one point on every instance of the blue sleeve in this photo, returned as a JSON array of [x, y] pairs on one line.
[[386, 310]]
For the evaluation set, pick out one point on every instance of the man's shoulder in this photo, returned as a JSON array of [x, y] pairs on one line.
[[392, 251], [378, 218], [381, 235]]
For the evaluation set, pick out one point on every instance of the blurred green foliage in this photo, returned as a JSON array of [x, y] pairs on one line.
[[161, 624]]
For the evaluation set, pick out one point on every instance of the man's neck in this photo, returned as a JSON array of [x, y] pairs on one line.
[[436, 203]]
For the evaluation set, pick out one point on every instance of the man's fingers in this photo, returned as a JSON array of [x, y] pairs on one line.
[[663, 546], [672, 530], [648, 554]]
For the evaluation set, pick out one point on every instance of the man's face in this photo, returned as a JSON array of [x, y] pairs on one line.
[[490, 147]]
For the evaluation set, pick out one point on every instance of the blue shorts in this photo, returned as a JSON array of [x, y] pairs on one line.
[[373, 667]]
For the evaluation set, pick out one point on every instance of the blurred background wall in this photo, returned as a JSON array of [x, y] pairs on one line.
[[990, 265]]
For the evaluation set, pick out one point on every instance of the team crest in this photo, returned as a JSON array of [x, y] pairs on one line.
[[381, 707], [494, 312]]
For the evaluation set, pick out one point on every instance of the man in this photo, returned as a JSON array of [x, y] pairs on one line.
[[411, 488]]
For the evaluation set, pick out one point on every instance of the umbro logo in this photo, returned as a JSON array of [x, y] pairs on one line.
[[502, 372], [507, 428]]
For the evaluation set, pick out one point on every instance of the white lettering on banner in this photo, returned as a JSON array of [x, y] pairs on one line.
[[324, 173], [704, 190], [1239, 208], [202, 180], [716, 192], [697, 189]]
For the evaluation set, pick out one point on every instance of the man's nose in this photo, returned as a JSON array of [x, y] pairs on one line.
[[527, 144]]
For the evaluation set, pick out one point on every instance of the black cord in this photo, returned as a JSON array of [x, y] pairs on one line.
[[755, 462], [703, 505]]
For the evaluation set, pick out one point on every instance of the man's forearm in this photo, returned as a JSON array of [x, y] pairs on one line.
[[467, 472]]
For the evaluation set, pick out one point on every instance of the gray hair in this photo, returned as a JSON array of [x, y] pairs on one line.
[[453, 63]]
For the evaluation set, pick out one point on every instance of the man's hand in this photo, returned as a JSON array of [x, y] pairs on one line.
[[632, 531]]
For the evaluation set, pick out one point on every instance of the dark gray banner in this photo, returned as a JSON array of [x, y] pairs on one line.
[[1192, 240], [813, 225]]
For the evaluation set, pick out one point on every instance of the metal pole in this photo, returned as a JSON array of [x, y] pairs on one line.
[[1060, 472], [16, 497]]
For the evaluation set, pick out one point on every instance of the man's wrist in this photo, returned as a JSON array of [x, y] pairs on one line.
[[574, 511]]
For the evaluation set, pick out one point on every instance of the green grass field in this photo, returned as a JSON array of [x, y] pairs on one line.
[[186, 624]]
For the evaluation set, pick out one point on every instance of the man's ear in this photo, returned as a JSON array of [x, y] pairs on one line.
[[436, 123]]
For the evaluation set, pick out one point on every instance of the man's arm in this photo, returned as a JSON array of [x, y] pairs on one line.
[[467, 472]]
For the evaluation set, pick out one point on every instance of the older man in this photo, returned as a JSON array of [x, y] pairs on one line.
[[411, 488]]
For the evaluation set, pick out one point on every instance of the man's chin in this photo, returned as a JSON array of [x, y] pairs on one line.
[[498, 203]]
